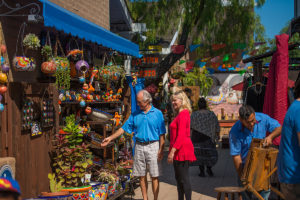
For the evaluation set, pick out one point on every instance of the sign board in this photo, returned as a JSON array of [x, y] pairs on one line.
[[146, 66]]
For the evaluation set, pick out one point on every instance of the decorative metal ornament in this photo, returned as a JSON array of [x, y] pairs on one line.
[[34, 10]]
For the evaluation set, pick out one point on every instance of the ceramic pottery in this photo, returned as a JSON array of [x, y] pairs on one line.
[[48, 67], [3, 49], [82, 103], [82, 66], [1, 107], [3, 89], [81, 79], [25, 64]]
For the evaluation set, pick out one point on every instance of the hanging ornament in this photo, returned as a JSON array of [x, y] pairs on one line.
[[88, 110], [181, 62], [2, 60], [5, 68], [3, 49], [225, 58], [82, 103], [1, 107], [81, 79], [82, 66], [3, 78], [3, 89]]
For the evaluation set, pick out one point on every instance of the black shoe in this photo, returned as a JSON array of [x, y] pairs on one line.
[[202, 174], [209, 171]]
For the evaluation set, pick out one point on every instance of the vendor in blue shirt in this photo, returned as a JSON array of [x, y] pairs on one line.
[[149, 127], [289, 150], [250, 125]]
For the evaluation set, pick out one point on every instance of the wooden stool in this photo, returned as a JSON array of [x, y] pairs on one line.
[[229, 190]]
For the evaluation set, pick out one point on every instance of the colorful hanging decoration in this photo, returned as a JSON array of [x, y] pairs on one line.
[[218, 46], [239, 45], [189, 66], [193, 47], [181, 62], [215, 59], [225, 58], [177, 49]]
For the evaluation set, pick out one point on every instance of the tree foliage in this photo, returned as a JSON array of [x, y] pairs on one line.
[[202, 21]]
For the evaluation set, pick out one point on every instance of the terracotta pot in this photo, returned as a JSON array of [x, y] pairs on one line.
[[48, 67], [3, 78], [3, 89], [52, 194]]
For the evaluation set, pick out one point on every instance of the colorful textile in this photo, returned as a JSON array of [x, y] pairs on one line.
[[276, 97], [240, 138], [180, 137], [289, 149]]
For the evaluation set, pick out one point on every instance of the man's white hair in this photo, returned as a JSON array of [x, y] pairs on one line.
[[146, 96]]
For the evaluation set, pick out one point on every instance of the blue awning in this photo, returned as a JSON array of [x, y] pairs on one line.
[[62, 19]]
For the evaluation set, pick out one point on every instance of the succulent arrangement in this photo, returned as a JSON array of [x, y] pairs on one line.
[[54, 185], [71, 157], [47, 52], [31, 41]]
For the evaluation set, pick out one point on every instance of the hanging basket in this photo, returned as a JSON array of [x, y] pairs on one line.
[[49, 67], [23, 63]]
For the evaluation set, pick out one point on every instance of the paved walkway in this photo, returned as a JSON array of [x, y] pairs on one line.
[[203, 188]]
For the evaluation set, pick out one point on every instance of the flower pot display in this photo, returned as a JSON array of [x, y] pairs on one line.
[[98, 191], [48, 67], [23, 63], [79, 193]]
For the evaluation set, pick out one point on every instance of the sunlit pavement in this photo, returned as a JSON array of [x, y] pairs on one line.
[[203, 187]]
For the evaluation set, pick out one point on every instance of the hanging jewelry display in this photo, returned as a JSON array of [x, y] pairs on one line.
[[47, 111]]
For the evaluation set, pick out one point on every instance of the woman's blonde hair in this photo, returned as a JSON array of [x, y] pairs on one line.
[[180, 94]]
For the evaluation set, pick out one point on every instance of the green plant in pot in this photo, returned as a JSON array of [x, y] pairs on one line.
[[46, 52], [31, 41], [71, 156], [62, 73], [55, 187]]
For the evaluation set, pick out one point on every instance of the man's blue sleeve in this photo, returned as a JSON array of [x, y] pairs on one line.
[[129, 125], [271, 123], [162, 127], [235, 144], [297, 123]]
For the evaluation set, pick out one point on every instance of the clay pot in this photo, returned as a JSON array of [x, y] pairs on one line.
[[3, 89], [48, 67], [3, 78], [5, 68], [3, 49]]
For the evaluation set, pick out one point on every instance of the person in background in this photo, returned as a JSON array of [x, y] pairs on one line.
[[205, 131], [289, 150], [250, 125], [150, 139], [181, 150], [9, 189]]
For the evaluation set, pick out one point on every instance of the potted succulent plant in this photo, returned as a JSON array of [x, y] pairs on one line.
[[55, 187], [31, 41]]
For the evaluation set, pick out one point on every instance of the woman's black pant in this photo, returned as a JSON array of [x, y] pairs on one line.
[[183, 179]]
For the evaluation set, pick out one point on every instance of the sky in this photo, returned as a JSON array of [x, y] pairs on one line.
[[275, 14]]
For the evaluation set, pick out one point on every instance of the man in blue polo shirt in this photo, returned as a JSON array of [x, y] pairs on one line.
[[149, 125], [289, 150], [250, 125]]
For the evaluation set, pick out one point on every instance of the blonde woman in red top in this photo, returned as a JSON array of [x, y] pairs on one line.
[[181, 150]]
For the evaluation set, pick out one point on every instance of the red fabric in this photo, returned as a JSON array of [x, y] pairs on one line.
[[180, 137], [276, 97], [177, 49]]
